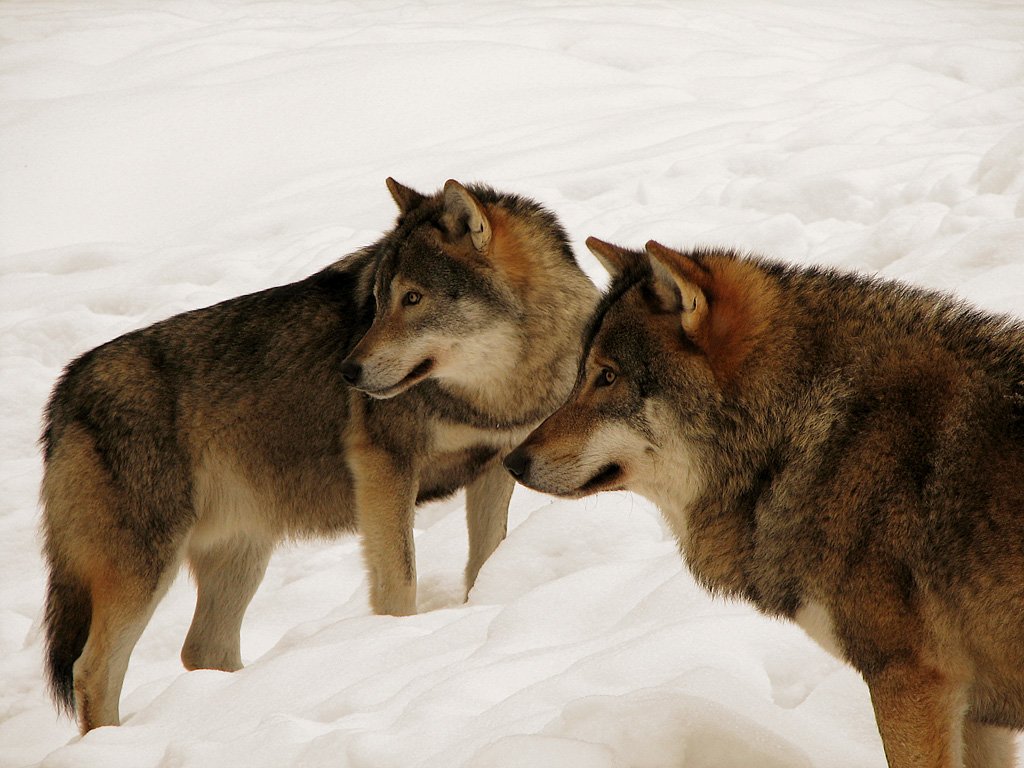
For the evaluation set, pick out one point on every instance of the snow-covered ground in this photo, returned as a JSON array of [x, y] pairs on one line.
[[156, 157]]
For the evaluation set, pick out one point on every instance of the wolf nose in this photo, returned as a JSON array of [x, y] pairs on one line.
[[517, 463], [351, 371]]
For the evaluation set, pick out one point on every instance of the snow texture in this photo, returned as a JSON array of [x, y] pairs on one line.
[[157, 157]]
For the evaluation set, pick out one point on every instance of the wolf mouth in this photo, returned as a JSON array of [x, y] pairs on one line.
[[606, 477], [414, 376]]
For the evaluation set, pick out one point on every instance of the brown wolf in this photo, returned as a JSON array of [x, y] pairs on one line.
[[841, 451], [337, 403]]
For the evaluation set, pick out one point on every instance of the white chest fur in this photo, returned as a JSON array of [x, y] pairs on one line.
[[814, 619]]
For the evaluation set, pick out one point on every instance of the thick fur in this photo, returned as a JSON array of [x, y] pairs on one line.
[[841, 451], [333, 404]]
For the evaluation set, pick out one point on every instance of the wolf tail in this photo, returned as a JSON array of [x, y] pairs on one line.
[[66, 621]]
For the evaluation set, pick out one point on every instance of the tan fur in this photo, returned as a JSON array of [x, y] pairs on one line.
[[227, 505], [843, 452], [988, 746], [121, 607], [387, 494], [742, 298], [814, 619], [510, 252], [80, 477]]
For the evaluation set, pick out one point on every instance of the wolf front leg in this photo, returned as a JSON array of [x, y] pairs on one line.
[[487, 500], [385, 493], [920, 715]]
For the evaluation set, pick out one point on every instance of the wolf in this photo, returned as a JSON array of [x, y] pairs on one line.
[[839, 450], [338, 403]]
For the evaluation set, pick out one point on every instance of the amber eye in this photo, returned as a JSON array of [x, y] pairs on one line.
[[605, 378], [412, 297]]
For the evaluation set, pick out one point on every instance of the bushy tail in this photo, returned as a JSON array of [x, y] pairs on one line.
[[67, 617]]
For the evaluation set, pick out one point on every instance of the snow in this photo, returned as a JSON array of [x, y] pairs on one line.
[[160, 157]]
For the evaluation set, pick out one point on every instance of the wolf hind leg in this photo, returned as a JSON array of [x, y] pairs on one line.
[[227, 576], [113, 548], [988, 746], [487, 499], [122, 605]]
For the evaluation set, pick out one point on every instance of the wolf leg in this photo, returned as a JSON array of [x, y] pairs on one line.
[[487, 500], [385, 503], [988, 746], [227, 576], [122, 605], [920, 716]]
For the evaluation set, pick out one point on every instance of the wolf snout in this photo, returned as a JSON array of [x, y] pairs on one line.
[[351, 371], [517, 463]]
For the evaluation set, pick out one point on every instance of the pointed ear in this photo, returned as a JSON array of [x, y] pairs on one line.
[[405, 197], [688, 276], [460, 204], [615, 259]]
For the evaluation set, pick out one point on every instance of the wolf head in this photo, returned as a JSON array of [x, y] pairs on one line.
[[665, 352], [452, 285]]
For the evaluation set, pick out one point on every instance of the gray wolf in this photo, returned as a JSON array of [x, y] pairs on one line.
[[841, 451], [397, 375]]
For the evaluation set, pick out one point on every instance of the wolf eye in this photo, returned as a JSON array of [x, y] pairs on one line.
[[412, 297], [606, 378]]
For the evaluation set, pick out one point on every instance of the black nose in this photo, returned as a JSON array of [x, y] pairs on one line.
[[517, 463], [351, 371]]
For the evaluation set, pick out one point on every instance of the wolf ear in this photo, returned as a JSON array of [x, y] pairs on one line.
[[405, 197], [615, 259], [460, 204], [688, 276]]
